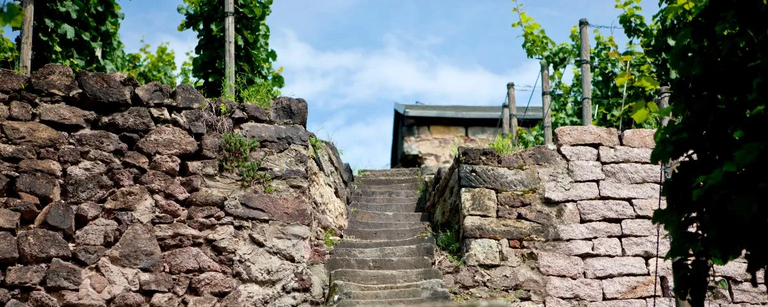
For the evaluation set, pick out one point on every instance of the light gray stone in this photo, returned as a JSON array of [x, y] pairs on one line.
[[585, 289], [602, 267], [572, 248], [586, 135], [632, 173], [556, 264], [629, 287], [606, 247], [745, 293], [491, 228], [579, 153], [620, 303], [639, 138], [628, 191], [644, 246], [638, 228], [645, 207], [599, 210], [622, 154], [497, 178], [555, 192], [665, 267], [588, 231], [482, 252], [586, 170], [734, 270], [570, 213], [480, 202]]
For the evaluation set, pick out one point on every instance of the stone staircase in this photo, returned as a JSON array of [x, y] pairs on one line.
[[386, 255]]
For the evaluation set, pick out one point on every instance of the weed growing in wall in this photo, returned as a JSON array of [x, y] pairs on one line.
[[504, 144], [235, 151], [315, 145], [449, 242], [329, 242], [260, 93]]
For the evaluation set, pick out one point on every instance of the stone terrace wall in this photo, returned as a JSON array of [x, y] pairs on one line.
[[570, 227], [111, 194], [435, 146]]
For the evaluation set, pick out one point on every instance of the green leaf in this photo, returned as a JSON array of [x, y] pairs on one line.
[[68, 30], [640, 115], [622, 78], [646, 82]]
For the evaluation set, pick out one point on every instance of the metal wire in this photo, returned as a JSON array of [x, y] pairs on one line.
[[530, 97]]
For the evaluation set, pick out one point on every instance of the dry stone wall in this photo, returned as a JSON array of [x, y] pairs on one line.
[[112, 194], [566, 227]]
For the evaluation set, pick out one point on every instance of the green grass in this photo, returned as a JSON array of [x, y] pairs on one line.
[[449, 241], [315, 145], [504, 145], [235, 152], [260, 93]]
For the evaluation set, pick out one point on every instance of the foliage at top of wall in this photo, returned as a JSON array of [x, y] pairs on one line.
[[146, 66]]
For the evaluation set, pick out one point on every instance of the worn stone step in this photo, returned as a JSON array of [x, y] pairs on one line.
[[354, 224], [405, 208], [384, 200], [393, 172], [386, 234], [385, 217], [342, 286], [411, 263], [369, 181], [385, 193], [441, 296], [381, 277], [393, 294], [353, 243], [399, 186], [418, 250]]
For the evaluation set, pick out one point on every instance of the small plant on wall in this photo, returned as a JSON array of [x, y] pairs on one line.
[[235, 152]]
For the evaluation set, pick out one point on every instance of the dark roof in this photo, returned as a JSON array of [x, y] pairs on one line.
[[478, 112]]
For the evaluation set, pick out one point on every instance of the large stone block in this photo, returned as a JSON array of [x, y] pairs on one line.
[[65, 116], [167, 140], [153, 93], [745, 293], [481, 202], [579, 153], [40, 245], [632, 173], [602, 267], [287, 110], [638, 228], [645, 207], [588, 231], [63, 276], [622, 154], [556, 264], [586, 170], [638, 138], [274, 137], [135, 119], [137, 248], [58, 216], [185, 96], [629, 287], [586, 135], [478, 176], [557, 192], [103, 91], [482, 252], [189, 260], [9, 250], [54, 79], [644, 246], [600, 210], [491, 228], [286, 209], [628, 191], [450, 131], [585, 289], [606, 247], [32, 133], [9, 220], [571, 248], [25, 275], [735, 270], [98, 139]]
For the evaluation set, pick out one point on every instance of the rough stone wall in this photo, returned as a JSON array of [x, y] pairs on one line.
[[566, 227], [111, 194], [435, 146]]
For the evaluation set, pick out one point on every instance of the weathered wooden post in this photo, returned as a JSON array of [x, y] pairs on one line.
[[229, 49], [586, 74], [512, 109], [545, 103], [26, 36]]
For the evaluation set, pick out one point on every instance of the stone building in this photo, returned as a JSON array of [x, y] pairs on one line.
[[428, 136]]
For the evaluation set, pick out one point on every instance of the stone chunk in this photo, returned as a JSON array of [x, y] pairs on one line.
[[166, 164], [66, 116], [49, 167], [20, 111], [579, 153], [585, 289], [41, 299], [98, 139], [555, 192], [25, 276], [606, 247], [11, 81], [97, 233], [58, 216], [90, 188], [136, 119], [32, 133], [497, 178], [588, 231], [54, 79], [9, 220], [480, 202], [9, 250], [63, 276], [745, 293], [628, 191], [186, 97], [638, 228], [571, 248], [210, 198], [129, 299], [167, 140], [153, 93], [274, 137], [638, 138], [40, 245], [585, 170], [156, 282], [27, 209], [556, 264], [632, 173], [286, 110], [481, 252], [158, 182], [491, 228], [189, 260], [272, 207], [629, 287], [645, 207], [129, 198], [16, 152], [213, 283], [586, 135], [602, 267], [205, 167], [103, 91], [89, 254], [137, 248], [644, 246], [599, 210], [622, 154], [87, 212]]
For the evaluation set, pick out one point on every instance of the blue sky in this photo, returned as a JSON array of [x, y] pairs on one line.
[[352, 60]]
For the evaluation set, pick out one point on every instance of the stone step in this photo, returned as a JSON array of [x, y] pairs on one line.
[[385, 193], [405, 208], [384, 200], [370, 181], [386, 217], [381, 277], [418, 250], [394, 172], [342, 286], [385, 234], [394, 294], [351, 243], [439, 296], [411, 263], [354, 224], [399, 186]]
